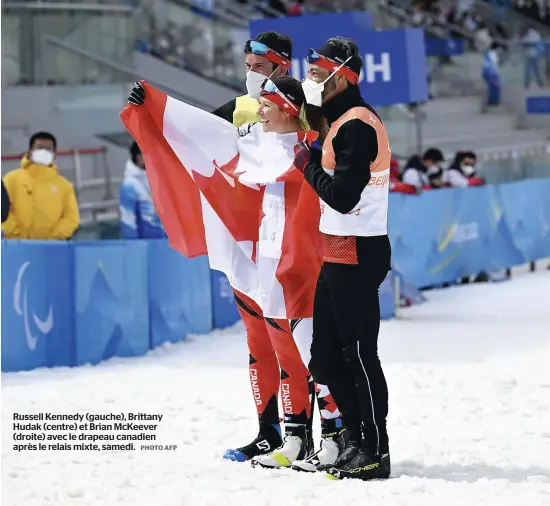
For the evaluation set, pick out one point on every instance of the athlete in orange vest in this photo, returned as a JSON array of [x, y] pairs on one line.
[[351, 175]]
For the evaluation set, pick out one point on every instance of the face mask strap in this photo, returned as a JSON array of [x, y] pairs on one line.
[[342, 67]]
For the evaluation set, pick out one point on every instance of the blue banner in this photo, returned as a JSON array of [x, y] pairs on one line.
[[526, 206], [394, 61], [223, 301], [110, 300], [436, 46], [444, 235], [537, 105], [179, 294], [313, 30], [37, 294]]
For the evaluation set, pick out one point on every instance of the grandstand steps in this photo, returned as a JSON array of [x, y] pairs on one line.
[[462, 123], [462, 77], [444, 107]]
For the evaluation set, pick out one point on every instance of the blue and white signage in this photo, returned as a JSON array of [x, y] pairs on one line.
[[394, 61]]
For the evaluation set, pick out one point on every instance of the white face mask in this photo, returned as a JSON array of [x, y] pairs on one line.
[[254, 81], [42, 156], [468, 170], [433, 170], [313, 90]]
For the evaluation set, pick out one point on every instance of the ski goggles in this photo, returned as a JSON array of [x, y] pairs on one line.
[[260, 49], [332, 66], [275, 95]]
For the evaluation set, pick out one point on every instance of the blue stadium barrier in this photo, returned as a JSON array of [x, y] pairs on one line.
[[37, 286], [224, 308], [387, 299], [179, 294], [71, 303], [109, 300], [445, 235]]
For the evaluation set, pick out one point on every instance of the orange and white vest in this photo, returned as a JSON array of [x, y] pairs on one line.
[[370, 216]]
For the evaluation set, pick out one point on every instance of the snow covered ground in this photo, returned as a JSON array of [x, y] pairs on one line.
[[469, 379]]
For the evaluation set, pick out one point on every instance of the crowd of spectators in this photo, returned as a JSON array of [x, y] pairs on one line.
[[496, 37], [428, 171], [539, 10], [462, 12]]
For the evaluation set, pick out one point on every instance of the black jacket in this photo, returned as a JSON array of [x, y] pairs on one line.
[[5, 203], [226, 111], [355, 148]]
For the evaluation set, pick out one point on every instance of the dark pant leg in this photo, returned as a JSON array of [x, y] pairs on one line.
[[327, 363], [354, 291]]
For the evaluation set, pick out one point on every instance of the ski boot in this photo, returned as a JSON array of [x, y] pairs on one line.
[[268, 439], [296, 446]]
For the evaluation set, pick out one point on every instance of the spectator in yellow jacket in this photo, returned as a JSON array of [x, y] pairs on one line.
[[42, 203]]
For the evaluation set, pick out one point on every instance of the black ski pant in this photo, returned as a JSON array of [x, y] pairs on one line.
[[344, 351]]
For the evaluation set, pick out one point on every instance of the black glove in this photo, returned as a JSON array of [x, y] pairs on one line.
[[137, 95]]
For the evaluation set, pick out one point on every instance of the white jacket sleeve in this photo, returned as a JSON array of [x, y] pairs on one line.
[[412, 177], [457, 179]]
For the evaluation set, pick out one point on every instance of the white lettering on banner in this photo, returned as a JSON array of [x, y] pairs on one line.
[[372, 68], [299, 68], [45, 326], [466, 232]]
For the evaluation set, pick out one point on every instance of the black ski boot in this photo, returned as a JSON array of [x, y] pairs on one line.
[[268, 439], [364, 466]]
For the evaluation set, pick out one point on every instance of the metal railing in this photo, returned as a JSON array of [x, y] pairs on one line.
[[98, 180], [507, 165]]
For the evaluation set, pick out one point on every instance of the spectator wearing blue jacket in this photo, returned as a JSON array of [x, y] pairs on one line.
[[534, 50], [491, 74], [138, 217]]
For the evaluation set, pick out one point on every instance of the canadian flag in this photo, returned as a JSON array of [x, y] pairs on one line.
[[237, 199]]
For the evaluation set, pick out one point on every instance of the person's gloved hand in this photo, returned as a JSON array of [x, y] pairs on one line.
[[137, 95], [304, 154], [245, 129]]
